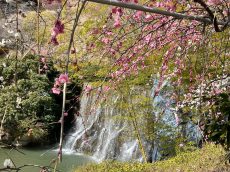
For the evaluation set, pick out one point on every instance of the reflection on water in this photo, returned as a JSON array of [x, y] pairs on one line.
[[42, 157]]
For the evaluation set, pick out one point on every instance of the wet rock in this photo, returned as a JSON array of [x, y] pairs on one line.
[[5, 137], [8, 163]]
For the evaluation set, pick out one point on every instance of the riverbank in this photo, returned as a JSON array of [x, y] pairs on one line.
[[208, 159]]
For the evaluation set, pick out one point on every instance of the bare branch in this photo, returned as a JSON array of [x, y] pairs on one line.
[[133, 6], [210, 13]]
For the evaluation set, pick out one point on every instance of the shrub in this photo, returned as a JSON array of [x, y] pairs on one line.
[[26, 103]]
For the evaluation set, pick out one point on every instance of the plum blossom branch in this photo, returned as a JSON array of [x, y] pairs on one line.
[[176, 15], [78, 13], [213, 17]]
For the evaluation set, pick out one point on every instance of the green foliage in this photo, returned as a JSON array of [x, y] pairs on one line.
[[182, 146], [25, 98], [217, 124], [208, 158]]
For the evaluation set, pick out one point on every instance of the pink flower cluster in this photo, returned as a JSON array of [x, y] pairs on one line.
[[58, 29], [157, 33], [63, 78], [87, 89], [138, 16], [45, 66], [144, 35], [117, 12], [214, 2], [128, 66]]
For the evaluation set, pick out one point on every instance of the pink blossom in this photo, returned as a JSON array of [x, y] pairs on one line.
[[157, 32], [58, 29], [105, 40], [114, 10], [225, 12], [214, 2], [140, 58], [65, 114], [148, 38], [56, 90], [63, 78], [217, 91], [178, 62], [57, 82], [106, 88], [119, 44], [108, 33], [164, 67], [117, 23], [88, 88], [148, 18], [119, 11], [95, 31], [138, 15], [54, 40], [177, 119], [45, 67], [178, 71], [143, 66], [112, 51], [43, 59], [159, 4], [157, 91]]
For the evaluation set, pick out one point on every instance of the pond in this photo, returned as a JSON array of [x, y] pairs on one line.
[[42, 157]]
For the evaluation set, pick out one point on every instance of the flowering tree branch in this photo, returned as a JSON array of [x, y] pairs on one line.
[[78, 13], [176, 15], [210, 13]]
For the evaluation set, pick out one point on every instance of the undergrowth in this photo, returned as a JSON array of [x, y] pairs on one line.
[[208, 159]]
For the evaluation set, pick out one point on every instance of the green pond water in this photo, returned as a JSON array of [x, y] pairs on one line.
[[42, 157]]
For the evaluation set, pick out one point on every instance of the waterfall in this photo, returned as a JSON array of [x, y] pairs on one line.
[[103, 129], [128, 149], [100, 131]]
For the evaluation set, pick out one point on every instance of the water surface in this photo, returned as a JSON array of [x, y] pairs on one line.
[[42, 157]]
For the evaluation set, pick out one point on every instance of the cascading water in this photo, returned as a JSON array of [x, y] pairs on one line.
[[128, 149], [84, 122], [101, 132], [103, 129]]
